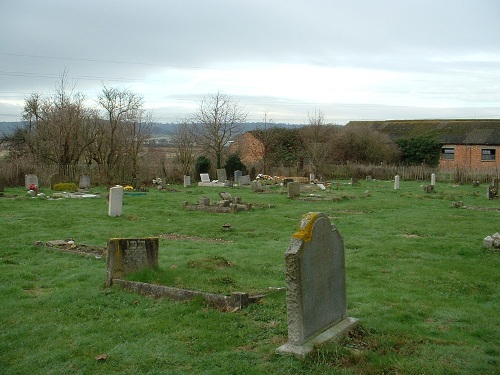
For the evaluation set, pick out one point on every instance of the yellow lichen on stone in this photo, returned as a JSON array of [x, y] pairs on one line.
[[304, 232]]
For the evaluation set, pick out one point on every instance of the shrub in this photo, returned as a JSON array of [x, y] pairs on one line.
[[65, 186]]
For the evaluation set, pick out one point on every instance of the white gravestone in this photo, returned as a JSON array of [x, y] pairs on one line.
[[187, 181], [396, 182], [433, 179], [115, 201], [30, 179], [315, 286]]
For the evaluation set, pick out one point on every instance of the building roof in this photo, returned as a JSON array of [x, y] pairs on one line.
[[484, 132]]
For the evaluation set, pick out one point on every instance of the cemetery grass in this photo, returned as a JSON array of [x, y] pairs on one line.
[[425, 290]]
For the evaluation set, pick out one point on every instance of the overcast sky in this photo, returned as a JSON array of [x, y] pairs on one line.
[[350, 59]]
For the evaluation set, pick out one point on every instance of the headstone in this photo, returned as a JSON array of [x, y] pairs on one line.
[[245, 180], [136, 183], [429, 188], [433, 179], [221, 175], [311, 177], [29, 180], [187, 181], [115, 201], [55, 179], [257, 186], [126, 255], [396, 182], [237, 175], [492, 192], [225, 196], [286, 181], [315, 286], [84, 181], [293, 189], [368, 178], [204, 201], [205, 178]]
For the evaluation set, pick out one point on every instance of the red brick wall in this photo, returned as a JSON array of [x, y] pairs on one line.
[[469, 157]]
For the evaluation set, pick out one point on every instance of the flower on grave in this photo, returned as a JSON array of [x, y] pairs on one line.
[[157, 181], [128, 188], [33, 187]]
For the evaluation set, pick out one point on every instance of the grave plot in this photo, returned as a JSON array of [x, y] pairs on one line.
[[228, 204], [71, 246], [127, 256]]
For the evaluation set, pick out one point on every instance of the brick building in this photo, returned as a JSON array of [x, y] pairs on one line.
[[465, 144]]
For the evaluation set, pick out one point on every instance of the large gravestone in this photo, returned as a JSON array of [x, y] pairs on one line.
[[115, 201], [127, 255], [315, 286], [84, 181], [30, 179], [221, 175], [293, 189]]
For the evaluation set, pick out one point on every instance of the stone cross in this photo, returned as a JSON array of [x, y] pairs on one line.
[[115, 201], [315, 286]]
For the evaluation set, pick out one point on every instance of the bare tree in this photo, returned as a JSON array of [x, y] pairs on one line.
[[184, 140], [218, 120], [121, 107], [317, 138]]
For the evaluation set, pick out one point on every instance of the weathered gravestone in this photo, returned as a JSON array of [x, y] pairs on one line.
[[245, 180], [257, 186], [433, 179], [127, 255], [237, 175], [293, 189], [115, 201], [56, 178], [315, 286], [84, 181], [187, 181], [221, 175], [29, 180]]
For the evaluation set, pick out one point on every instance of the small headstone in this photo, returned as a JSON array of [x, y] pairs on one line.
[[187, 181], [204, 201], [321, 187], [136, 183], [84, 181], [293, 189], [237, 175], [115, 201], [221, 175], [55, 179], [30, 180], [396, 182], [205, 177], [127, 255], [257, 186], [245, 180], [311, 177], [429, 188], [433, 179], [315, 286], [368, 178]]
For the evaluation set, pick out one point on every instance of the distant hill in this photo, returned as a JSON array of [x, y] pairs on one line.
[[7, 127]]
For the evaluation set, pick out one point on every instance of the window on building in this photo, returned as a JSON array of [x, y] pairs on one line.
[[488, 154], [448, 153]]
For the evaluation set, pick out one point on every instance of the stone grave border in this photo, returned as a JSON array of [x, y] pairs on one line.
[[116, 269]]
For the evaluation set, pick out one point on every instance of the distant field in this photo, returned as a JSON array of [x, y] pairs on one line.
[[424, 288]]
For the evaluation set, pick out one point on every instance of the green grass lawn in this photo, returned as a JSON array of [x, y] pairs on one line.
[[418, 278]]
